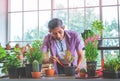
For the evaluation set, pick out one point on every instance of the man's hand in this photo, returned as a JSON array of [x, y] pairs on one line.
[[52, 59], [77, 69]]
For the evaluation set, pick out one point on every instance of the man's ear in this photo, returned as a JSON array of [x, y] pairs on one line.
[[49, 31]]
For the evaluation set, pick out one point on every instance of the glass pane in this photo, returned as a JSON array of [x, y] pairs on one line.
[[14, 43], [44, 17], [3, 23], [76, 20], [99, 60], [62, 14], [110, 42], [92, 2], [44, 4], [119, 17], [30, 5], [109, 53], [110, 22], [14, 5], [30, 26], [76, 3], [60, 4], [27, 42], [109, 2], [21, 43], [91, 15], [15, 25]]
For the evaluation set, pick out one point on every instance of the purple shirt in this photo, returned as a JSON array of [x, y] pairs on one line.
[[73, 43]]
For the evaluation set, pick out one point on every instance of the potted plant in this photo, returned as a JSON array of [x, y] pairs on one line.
[[91, 54], [86, 34], [12, 65], [20, 55], [82, 72], [8, 46], [50, 72], [98, 27], [35, 69], [2, 54], [32, 54], [67, 61], [112, 68]]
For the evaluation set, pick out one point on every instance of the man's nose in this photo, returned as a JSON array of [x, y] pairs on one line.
[[58, 35]]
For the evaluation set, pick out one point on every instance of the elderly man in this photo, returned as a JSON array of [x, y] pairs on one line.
[[59, 40]]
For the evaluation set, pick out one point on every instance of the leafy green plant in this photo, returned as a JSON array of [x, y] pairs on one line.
[[98, 26], [11, 61], [37, 44], [35, 52], [87, 33], [68, 58], [17, 48], [2, 54], [112, 64], [91, 51], [35, 66]]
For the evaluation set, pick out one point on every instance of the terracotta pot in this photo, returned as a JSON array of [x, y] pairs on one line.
[[36, 74], [50, 72], [82, 75], [28, 70]]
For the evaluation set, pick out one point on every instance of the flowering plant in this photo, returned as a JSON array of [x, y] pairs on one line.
[[91, 51], [68, 57]]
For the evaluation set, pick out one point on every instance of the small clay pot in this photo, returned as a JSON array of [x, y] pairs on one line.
[[50, 72], [36, 74], [82, 75]]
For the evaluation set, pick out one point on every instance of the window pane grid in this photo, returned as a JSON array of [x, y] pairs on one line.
[[64, 10], [32, 18]]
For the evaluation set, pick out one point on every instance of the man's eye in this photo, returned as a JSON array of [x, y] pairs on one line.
[[60, 32]]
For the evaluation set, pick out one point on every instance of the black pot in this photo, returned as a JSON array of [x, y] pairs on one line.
[[13, 72], [111, 74], [69, 70], [22, 72], [91, 68], [28, 70]]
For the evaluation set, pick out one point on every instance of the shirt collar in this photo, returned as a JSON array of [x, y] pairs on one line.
[[67, 34]]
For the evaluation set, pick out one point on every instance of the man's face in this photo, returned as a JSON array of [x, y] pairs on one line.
[[57, 33]]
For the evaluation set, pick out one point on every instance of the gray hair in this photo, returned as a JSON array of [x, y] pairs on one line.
[[55, 22]]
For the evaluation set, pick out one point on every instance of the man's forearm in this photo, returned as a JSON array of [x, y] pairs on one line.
[[79, 60], [80, 57]]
